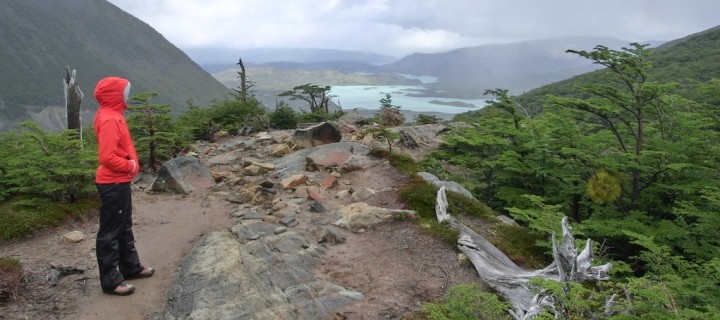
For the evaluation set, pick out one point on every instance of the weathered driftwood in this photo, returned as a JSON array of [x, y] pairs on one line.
[[73, 98], [510, 280]]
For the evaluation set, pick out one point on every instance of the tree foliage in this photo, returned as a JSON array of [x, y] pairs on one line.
[[630, 159], [45, 165], [317, 97], [152, 129]]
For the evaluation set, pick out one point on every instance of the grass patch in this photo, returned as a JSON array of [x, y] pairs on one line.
[[21, 215], [401, 161], [518, 243], [11, 272], [465, 301]]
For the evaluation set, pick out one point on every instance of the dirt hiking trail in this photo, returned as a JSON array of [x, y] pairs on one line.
[[394, 265]]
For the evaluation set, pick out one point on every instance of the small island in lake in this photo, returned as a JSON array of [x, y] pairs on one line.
[[453, 103]]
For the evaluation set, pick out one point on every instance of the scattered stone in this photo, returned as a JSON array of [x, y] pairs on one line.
[[331, 235], [289, 221], [244, 196], [280, 230], [73, 237], [359, 215], [237, 213], [314, 194], [328, 182], [280, 150], [294, 181], [267, 184], [362, 194], [317, 207], [255, 215]]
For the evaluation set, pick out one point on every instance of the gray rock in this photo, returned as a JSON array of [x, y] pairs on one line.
[[183, 175], [289, 221], [421, 136], [316, 135], [297, 161]]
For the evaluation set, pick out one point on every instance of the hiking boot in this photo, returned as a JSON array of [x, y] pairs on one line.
[[144, 273], [123, 289]]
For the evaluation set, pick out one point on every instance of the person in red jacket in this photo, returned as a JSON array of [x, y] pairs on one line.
[[117, 257]]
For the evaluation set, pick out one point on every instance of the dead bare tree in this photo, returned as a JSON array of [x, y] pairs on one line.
[[510, 280], [73, 98], [245, 85]]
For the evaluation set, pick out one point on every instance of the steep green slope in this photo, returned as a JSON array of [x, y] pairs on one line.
[[39, 38], [686, 61]]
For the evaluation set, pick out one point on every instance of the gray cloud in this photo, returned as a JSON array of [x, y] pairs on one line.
[[401, 27]]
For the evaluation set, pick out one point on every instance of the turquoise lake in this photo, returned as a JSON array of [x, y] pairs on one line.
[[368, 97]]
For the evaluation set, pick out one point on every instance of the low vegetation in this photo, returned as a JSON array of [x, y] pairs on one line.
[[629, 157], [11, 273]]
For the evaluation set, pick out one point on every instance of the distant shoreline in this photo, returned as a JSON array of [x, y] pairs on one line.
[[458, 104]]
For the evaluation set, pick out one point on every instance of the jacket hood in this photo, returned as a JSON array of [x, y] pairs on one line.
[[110, 93]]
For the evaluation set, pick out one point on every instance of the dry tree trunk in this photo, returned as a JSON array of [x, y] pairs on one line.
[[510, 280], [73, 98]]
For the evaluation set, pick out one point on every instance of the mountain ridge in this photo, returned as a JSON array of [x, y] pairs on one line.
[[97, 39]]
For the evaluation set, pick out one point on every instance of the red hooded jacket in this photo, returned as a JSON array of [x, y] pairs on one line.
[[116, 151]]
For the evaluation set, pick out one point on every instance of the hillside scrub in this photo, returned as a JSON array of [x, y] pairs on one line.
[[628, 160]]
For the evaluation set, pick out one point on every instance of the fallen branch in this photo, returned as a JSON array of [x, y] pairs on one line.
[[510, 280]]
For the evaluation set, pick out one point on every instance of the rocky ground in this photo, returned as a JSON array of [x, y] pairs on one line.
[[271, 238]]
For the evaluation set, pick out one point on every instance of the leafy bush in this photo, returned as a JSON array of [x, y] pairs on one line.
[[467, 301], [284, 117], [11, 272], [427, 119], [227, 115], [46, 165]]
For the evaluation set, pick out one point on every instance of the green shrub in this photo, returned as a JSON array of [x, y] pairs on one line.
[[426, 119], [467, 301], [519, 243], [284, 117], [229, 115], [420, 196], [47, 165]]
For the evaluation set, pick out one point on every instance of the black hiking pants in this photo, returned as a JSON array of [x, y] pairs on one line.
[[115, 244]]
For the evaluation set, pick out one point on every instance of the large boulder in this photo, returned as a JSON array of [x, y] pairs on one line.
[[316, 135], [421, 136], [297, 161], [183, 175]]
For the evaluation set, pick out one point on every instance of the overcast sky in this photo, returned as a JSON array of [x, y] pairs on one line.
[[400, 27]]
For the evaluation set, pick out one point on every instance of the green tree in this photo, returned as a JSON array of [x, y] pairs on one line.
[[152, 129], [318, 97]]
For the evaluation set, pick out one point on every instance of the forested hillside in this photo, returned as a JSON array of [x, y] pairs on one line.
[[39, 38], [629, 153]]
